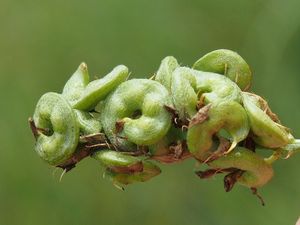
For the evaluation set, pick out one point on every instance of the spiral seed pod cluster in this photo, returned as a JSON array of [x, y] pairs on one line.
[[203, 112]]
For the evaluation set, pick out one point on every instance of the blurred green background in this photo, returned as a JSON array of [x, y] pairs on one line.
[[43, 42]]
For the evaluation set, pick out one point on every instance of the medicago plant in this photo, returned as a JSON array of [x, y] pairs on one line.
[[205, 112]]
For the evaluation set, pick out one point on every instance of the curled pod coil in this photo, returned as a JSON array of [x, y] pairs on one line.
[[58, 130], [126, 169], [229, 116], [257, 172], [85, 95], [219, 99], [135, 114], [229, 63], [267, 132], [191, 88], [165, 71]]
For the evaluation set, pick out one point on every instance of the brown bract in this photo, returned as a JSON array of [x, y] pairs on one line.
[[200, 116]]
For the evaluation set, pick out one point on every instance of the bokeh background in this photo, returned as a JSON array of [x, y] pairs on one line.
[[43, 42]]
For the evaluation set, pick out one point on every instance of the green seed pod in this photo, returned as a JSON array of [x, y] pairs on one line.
[[256, 171], [228, 63], [135, 114], [229, 116], [267, 132], [126, 169], [75, 86], [164, 73], [110, 158], [184, 93], [85, 96], [57, 128], [189, 85]]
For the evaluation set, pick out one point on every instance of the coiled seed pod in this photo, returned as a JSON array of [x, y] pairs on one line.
[[126, 169], [229, 116], [229, 63], [257, 172], [164, 73], [85, 96], [191, 88], [135, 114], [267, 132], [76, 84], [58, 131], [224, 97]]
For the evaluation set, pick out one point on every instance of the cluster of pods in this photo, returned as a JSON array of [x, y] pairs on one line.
[[205, 112]]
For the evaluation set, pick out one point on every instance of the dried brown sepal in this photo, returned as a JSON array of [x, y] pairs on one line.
[[255, 192], [169, 159], [36, 130], [33, 128], [221, 150], [87, 146], [80, 154], [119, 126], [93, 138], [266, 108], [212, 172], [178, 153], [231, 179], [178, 149], [134, 168], [200, 116]]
